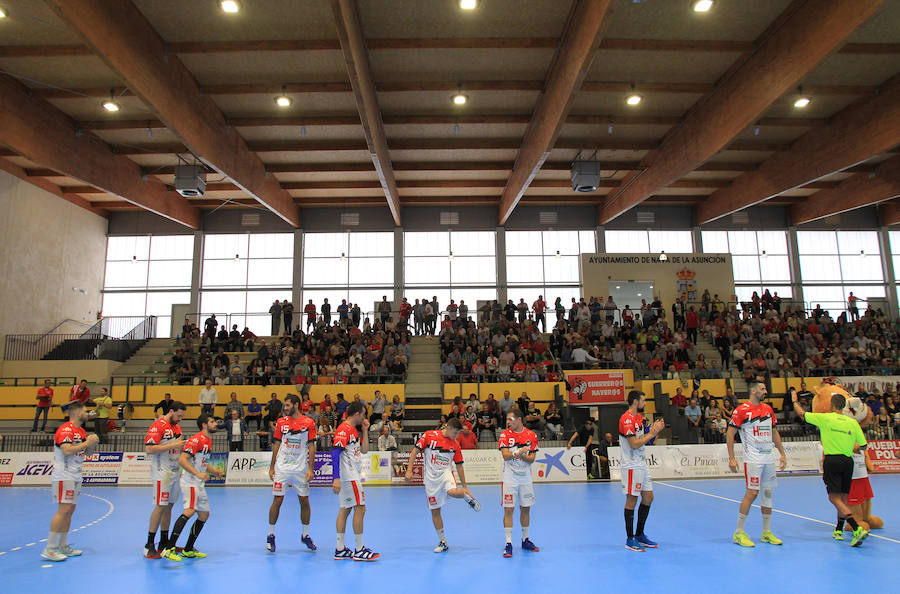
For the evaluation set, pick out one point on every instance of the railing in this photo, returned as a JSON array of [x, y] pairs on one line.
[[38, 381], [32, 347], [110, 338], [489, 378]]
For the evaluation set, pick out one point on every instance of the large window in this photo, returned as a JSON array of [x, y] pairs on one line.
[[358, 267], [243, 274], [649, 242], [835, 263], [759, 260], [145, 275], [546, 263], [458, 265]]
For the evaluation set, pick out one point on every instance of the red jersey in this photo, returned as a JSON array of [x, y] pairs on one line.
[[405, 310], [539, 306], [80, 394], [159, 433], [45, 396], [755, 424], [295, 436], [68, 468], [631, 425], [199, 447], [310, 310], [439, 454], [518, 472], [346, 437]]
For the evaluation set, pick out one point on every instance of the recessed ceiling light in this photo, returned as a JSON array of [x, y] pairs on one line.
[[110, 105], [633, 99], [703, 5], [801, 102], [229, 6], [468, 4]]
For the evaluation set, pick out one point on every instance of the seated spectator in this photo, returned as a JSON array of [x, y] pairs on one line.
[[534, 420], [467, 439], [485, 423], [254, 413], [236, 430], [553, 421], [718, 426], [679, 400], [324, 429], [694, 414], [386, 441]]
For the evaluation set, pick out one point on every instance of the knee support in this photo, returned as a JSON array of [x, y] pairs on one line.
[[765, 499]]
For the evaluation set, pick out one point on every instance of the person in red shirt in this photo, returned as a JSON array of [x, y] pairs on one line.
[[44, 401], [467, 438], [539, 306], [405, 311], [692, 322], [310, 311], [679, 400]]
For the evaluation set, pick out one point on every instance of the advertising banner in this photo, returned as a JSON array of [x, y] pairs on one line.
[[590, 388], [25, 468], [252, 468], [102, 468], [135, 469], [554, 465], [399, 464], [885, 455], [482, 466]]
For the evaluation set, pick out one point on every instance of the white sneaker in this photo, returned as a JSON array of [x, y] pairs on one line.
[[474, 504], [69, 551], [441, 548], [53, 555]]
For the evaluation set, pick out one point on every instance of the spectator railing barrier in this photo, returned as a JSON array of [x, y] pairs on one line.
[[38, 381], [113, 338]]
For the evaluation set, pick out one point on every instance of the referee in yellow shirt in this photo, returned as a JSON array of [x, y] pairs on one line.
[[840, 435]]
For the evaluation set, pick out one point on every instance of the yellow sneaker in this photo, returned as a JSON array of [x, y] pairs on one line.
[[193, 554], [171, 554], [770, 538], [740, 537]]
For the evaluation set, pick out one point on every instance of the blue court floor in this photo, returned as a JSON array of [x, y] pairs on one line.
[[578, 527]]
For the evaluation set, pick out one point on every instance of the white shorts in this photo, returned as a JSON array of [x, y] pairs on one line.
[[285, 480], [758, 476], [636, 480], [66, 491], [195, 497], [166, 488], [436, 491], [512, 494], [352, 494]]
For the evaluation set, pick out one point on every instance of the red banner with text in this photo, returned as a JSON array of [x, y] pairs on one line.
[[885, 455], [590, 388]]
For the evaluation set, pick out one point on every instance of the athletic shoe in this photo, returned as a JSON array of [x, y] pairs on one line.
[[859, 535], [770, 538], [507, 552], [740, 537], [170, 554], [192, 554], [343, 554], [365, 554], [441, 548], [473, 503], [838, 535], [270, 543], [632, 544], [151, 553], [645, 542], [69, 551], [527, 545], [53, 555], [307, 540]]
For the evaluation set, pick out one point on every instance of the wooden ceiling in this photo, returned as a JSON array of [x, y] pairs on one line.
[[372, 123]]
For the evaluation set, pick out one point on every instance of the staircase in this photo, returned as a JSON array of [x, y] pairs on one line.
[[151, 360], [424, 390], [733, 376]]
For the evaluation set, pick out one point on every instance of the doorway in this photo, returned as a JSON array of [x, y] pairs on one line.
[[630, 293]]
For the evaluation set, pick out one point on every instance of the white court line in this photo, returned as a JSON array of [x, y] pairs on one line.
[[871, 534]]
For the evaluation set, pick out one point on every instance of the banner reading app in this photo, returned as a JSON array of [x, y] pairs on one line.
[[593, 387]]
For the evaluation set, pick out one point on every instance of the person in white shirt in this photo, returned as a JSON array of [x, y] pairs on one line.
[[208, 399], [386, 441], [579, 355]]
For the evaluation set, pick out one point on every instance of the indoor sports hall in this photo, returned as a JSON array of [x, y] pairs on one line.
[[460, 293]]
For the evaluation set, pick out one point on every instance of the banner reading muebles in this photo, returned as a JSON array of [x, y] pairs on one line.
[[885, 455], [593, 387]]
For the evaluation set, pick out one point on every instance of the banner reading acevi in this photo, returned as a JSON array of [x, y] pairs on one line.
[[590, 387]]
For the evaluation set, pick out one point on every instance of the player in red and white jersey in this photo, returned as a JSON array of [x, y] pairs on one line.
[[756, 421], [440, 452], [861, 493], [351, 441], [194, 461], [518, 447], [635, 474], [70, 444], [293, 463], [163, 444]]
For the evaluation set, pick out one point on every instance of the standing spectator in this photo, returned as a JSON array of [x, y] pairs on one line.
[[405, 311], [234, 404], [379, 405], [609, 309], [340, 407], [80, 393], [275, 312], [386, 441], [355, 315], [560, 310], [162, 407], [343, 311], [104, 405], [585, 438], [236, 428], [310, 311], [692, 322], [210, 326], [326, 312], [208, 399], [678, 399], [522, 308], [467, 439], [273, 409], [254, 413], [539, 315], [384, 308], [287, 311], [44, 402], [463, 314], [603, 454], [852, 307], [693, 413], [505, 403]]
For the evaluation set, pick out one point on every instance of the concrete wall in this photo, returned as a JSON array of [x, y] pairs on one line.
[[93, 371], [47, 247]]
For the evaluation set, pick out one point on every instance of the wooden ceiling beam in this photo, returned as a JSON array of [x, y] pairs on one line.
[[857, 191], [806, 34], [48, 186], [889, 213], [43, 134], [356, 57], [860, 131], [123, 38]]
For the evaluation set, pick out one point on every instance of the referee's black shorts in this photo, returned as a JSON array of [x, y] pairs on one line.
[[837, 472]]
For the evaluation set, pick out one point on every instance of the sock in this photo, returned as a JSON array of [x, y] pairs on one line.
[[304, 533], [524, 532], [163, 538], [852, 521], [441, 535], [767, 522], [196, 527], [52, 540], [742, 519], [151, 540], [840, 523], [359, 541], [629, 522], [643, 512], [340, 541], [176, 531], [271, 531], [508, 533], [63, 540]]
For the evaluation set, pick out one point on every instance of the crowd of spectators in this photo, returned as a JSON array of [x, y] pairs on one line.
[[486, 419]]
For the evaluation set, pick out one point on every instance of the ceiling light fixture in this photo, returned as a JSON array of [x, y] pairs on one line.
[[450, 257], [110, 104], [703, 5], [3, 13], [558, 255], [633, 98], [663, 257], [283, 100], [459, 98], [229, 6], [343, 257], [468, 4], [237, 257], [801, 101]]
